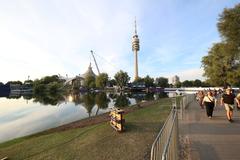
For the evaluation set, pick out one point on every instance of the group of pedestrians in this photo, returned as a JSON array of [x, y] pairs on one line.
[[227, 99]]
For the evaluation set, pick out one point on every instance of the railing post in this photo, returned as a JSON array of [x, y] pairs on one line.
[[166, 144], [177, 135]]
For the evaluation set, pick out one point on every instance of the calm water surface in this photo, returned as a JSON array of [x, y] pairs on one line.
[[22, 115]]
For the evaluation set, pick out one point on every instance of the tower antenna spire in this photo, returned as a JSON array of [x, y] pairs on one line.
[[135, 24]]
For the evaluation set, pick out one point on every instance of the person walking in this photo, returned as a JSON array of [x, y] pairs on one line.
[[209, 101], [215, 95], [238, 100], [200, 98], [228, 101]]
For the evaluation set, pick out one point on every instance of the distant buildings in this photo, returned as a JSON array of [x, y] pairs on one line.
[[175, 80], [79, 80]]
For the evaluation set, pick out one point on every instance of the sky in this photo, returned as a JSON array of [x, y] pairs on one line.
[[49, 37]]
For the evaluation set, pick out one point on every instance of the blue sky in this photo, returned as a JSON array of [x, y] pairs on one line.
[[39, 38]]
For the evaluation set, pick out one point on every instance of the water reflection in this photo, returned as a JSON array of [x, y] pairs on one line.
[[121, 100], [89, 102], [76, 99], [139, 97], [49, 99], [90, 99], [161, 95], [27, 114], [102, 101], [27, 96]]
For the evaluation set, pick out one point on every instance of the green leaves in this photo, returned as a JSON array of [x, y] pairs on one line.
[[121, 78], [229, 24], [162, 82], [222, 64], [102, 80], [89, 82]]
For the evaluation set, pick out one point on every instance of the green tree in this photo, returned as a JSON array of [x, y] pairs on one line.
[[149, 82], [38, 87], [121, 78], [187, 83], [228, 25], [206, 84], [15, 82], [162, 82], [139, 80], [49, 79], [89, 82], [112, 82], [197, 83], [45, 85], [222, 64], [178, 84], [54, 87], [101, 80], [220, 67]]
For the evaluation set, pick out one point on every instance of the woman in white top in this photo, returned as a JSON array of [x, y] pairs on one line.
[[209, 101]]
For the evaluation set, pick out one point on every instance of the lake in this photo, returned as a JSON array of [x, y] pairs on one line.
[[22, 115]]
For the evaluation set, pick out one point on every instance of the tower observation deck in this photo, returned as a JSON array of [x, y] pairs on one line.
[[135, 49]]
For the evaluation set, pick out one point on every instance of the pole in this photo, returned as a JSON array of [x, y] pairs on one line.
[[95, 62]]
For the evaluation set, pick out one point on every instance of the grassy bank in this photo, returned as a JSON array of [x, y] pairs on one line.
[[95, 142]]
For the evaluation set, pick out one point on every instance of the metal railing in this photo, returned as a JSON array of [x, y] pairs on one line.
[[184, 103], [187, 99], [165, 146]]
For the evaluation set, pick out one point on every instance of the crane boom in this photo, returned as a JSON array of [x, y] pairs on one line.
[[95, 62]]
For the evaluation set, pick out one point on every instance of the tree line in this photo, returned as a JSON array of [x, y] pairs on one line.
[[121, 79], [53, 84]]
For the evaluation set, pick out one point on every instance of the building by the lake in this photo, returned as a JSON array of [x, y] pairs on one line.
[[79, 79], [175, 80]]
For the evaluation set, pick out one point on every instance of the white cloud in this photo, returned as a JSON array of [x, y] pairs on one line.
[[188, 74], [191, 74], [39, 39]]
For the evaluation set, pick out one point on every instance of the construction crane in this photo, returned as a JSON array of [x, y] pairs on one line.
[[95, 62]]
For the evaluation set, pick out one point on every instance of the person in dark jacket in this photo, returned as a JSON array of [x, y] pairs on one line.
[[228, 101]]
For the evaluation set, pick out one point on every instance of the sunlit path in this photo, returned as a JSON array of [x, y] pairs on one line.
[[210, 139]]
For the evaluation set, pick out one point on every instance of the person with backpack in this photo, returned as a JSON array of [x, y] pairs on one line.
[[209, 102]]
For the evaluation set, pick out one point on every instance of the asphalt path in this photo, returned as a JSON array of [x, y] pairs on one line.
[[209, 139]]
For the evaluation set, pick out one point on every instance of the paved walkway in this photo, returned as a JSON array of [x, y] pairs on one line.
[[210, 139]]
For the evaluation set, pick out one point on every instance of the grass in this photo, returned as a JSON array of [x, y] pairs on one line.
[[97, 142]]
